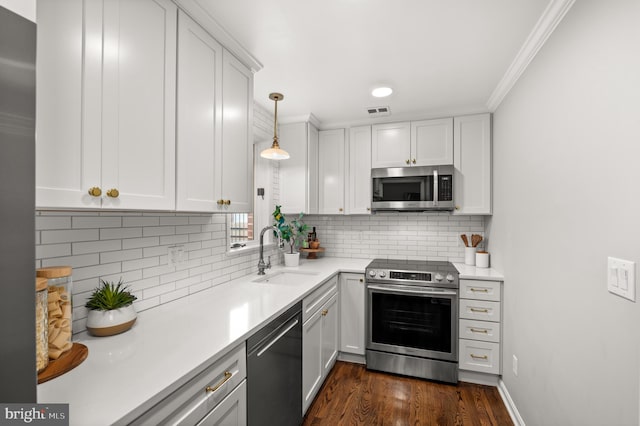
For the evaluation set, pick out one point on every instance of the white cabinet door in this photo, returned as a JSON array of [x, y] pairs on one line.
[[199, 127], [331, 181], [391, 145], [352, 300], [138, 105], [330, 321], [432, 142], [237, 137], [472, 160], [299, 174], [359, 188], [231, 411], [67, 163], [312, 367]]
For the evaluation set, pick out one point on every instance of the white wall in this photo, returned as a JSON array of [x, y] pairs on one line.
[[566, 196], [24, 8]]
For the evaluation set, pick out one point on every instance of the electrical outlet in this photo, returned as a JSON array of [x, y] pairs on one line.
[[175, 255], [515, 365]]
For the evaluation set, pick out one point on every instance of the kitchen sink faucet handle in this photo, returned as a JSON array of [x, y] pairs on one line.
[[268, 262]]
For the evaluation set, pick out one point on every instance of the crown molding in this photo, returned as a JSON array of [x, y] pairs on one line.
[[310, 118], [551, 17], [194, 9]]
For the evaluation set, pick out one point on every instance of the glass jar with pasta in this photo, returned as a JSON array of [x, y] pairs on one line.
[[60, 308], [42, 324]]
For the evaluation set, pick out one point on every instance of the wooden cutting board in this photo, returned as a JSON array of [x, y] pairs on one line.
[[67, 362]]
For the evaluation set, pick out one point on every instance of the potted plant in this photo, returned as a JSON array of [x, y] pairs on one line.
[[293, 233], [111, 309]]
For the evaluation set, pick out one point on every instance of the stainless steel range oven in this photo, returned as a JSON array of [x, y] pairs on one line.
[[412, 318]]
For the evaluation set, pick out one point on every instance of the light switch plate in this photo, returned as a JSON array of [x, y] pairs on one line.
[[621, 278]]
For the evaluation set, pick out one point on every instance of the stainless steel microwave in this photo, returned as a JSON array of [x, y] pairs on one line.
[[412, 188]]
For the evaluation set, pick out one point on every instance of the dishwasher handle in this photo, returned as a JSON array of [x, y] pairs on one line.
[[291, 324]]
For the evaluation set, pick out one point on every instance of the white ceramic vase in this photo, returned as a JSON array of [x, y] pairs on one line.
[[108, 323], [292, 259]]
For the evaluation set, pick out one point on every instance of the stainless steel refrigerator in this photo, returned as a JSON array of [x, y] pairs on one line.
[[17, 208]]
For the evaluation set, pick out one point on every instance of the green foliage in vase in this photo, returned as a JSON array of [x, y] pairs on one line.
[[109, 296], [293, 232]]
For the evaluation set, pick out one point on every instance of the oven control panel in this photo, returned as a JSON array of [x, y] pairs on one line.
[[407, 277]]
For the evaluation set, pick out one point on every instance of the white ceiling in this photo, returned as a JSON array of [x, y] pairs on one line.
[[441, 57]]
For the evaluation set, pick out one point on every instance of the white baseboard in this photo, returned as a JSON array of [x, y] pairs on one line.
[[508, 402]]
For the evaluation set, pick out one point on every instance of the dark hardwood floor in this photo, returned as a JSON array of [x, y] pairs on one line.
[[352, 395]]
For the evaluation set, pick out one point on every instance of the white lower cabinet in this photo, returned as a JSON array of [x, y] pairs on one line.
[[319, 338], [352, 303], [479, 328], [215, 396]]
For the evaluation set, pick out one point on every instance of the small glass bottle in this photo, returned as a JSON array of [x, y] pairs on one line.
[[60, 308], [42, 325]]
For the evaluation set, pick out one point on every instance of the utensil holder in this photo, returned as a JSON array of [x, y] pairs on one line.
[[470, 256]]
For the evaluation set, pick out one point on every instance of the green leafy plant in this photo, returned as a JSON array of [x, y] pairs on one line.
[[293, 232], [109, 296]]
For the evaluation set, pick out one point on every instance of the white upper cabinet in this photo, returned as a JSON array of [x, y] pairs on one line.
[[117, 133], [418, 143], [237, 137], [359, 185], [472, 160], [299, 174], [331, 172], [432, 142], [390, 145], [199, 128]]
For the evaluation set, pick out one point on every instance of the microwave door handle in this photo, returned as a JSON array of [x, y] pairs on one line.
[[435, 187]]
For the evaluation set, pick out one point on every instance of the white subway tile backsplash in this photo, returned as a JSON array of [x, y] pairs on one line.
[[130, 243], [150, 231], [118, 256], [151, 292], [53, 222], [73, 261], [68, 236], [53, 250], [96, 271], [140, 263], [140, 221], [90, 222], [174, 220], [96, 246], [173, 295], [120, 233]]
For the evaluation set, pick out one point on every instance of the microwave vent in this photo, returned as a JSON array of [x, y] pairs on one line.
[[380, 111]]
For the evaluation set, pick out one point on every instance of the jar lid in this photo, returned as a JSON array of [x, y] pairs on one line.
[[41, 283], [54, 272]]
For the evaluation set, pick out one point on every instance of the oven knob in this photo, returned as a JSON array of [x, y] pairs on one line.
[[383, 274], [372, 273], [439, 277], [450, 278]]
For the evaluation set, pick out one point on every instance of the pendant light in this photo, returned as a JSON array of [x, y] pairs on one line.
[[275, 152]]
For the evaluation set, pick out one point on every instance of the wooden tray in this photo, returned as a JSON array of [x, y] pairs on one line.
[[312, 253], [67, 362]]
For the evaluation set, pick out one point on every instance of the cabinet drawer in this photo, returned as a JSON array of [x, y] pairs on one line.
[[232, 411], [192, 401], [486, 331], [315, 300], [482, 290], [479, 356], [480, 310]]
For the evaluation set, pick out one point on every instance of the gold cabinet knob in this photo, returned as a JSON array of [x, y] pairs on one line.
[[113, 193], [413, 161], [340, 209], [220, 202], [95, 191], [361, 280], [368, 209], [227, 202], [457, 207], [407, 161], [324, 312]]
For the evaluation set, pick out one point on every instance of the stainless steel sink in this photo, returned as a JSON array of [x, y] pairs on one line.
[[285, 277]]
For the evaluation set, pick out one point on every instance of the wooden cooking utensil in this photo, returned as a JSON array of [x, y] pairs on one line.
[[475, 240], [465, 240]]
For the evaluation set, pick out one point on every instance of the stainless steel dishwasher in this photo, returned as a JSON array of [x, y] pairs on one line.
[[274, 371]]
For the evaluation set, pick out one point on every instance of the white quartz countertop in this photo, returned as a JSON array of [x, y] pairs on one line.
[[127, 374]]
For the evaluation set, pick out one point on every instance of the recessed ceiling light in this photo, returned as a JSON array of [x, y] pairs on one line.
[[381, 92]]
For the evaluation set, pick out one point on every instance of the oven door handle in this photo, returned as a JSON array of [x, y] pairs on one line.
[[398, 290]]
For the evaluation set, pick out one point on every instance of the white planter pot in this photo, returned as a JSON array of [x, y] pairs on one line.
[[291, 259], [108, 323]]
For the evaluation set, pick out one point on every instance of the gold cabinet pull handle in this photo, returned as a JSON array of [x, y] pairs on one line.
[[484, 311], [113, 193], [474, 356], [95, 191], [413, 161], [226, 202], [227, 376], [479, 290], [407, 161], [479, 330], [324, 312]]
